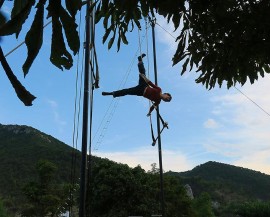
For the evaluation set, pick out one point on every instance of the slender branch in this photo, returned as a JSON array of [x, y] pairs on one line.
[[24, 95]]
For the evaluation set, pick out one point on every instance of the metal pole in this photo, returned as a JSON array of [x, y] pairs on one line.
[[158, 123], [85, 114]]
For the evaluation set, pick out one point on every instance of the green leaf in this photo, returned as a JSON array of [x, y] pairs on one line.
[[106, 35], [24, 95], [18, 6], [118, 43], [70, 27], [15, 24], [2, 19], [266, 68], [111, 41], [105, 20], [184, 67], [60, 57], [176, 20], [34, 37], [73, 6], [123, 37], [144, 8]]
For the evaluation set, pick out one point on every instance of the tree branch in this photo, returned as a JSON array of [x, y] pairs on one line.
[[25, 96]]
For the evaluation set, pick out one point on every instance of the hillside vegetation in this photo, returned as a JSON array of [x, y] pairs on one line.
[[118, 190], [242, 181], [21, 147]]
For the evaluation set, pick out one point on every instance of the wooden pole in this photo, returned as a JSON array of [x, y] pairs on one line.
[[158, 124], [85, 113]]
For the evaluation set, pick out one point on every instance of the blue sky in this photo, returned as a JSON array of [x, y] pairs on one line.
[[217, 125]]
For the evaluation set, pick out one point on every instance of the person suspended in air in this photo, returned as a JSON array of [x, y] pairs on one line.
[[145, 88]]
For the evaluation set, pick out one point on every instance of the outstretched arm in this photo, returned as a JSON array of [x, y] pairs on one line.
[[151, 109], [145, 78], [149, 82]]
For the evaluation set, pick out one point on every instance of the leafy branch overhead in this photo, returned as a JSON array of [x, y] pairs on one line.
[[62, 19], [227, 41]]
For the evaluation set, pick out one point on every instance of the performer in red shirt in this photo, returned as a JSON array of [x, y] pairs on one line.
[[145, 88]]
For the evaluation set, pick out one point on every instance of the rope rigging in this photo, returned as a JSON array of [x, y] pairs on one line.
[[159, 118], [256, 104], [76, 121], [104, 124], [114, 103]]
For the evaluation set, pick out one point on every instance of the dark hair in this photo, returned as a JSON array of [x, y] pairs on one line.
[[169, 96]]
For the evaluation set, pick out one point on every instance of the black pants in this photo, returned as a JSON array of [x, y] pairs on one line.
[[137, 90]]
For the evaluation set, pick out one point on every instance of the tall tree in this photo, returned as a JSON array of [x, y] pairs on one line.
[[44, 197], [228, 41], [3, 212]]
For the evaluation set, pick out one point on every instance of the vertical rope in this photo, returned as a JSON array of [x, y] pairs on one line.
[[140, 44], [148, 75], [76, 116]]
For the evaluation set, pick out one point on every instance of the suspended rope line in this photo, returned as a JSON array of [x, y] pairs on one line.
[[112, 108], [104, 124], [23, 42], [148, 70], [94, 64], [77, 110], [253, 101], [140, 45], [260, 107], [166, 31], [94, 61]]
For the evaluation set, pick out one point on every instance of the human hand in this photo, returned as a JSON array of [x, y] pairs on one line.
[[144, 77]]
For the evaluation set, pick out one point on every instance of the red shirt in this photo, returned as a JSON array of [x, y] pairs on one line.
[[152, 92]]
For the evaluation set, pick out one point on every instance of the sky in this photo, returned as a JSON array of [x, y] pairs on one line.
[[220, 125]]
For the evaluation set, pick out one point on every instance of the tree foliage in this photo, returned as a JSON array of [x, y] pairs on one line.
[[63, 19], [251, 209], [202, 205], [118, 190], [3, 211], [227, 41], [45, 197]]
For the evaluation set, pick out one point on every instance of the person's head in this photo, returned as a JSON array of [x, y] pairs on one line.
[[166, 97]]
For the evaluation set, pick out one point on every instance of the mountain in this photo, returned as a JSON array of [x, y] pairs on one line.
[[21, 147], [226, 182]]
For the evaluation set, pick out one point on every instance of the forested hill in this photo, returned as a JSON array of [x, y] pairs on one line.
[[21, 147], [214, 171], [232, 180]]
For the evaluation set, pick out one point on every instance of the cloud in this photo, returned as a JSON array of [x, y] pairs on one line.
[[259, 161], [211, 124], [52, 103], [57, 117], [172, 160], [243, 135], [166, 34]]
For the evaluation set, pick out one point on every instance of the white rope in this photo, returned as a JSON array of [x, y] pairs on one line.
[[104, 124], [23, 42]]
